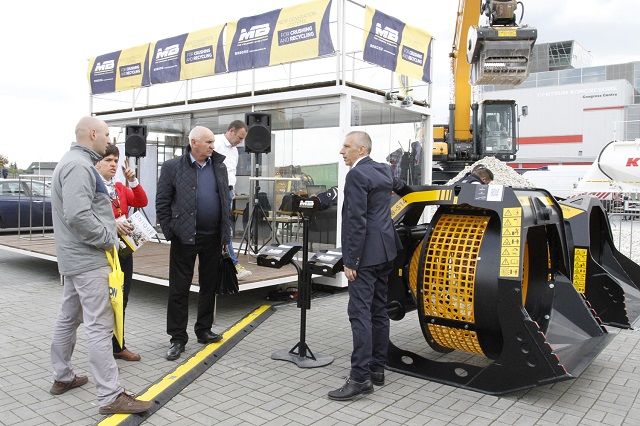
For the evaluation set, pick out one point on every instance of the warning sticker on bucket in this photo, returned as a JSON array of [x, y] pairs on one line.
[[579, 269], [510, 242]]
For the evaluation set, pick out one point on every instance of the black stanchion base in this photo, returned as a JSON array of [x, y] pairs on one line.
[[308, 361]]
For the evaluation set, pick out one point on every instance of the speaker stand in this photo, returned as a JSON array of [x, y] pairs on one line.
[[250, 234]]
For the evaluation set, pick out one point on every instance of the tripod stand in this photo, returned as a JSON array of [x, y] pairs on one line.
[[257, 214]]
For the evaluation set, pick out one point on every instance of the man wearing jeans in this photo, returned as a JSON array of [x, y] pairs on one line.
[[227, 145], [84, 228]]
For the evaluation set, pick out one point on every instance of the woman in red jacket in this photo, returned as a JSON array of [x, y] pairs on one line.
[[122, 197]]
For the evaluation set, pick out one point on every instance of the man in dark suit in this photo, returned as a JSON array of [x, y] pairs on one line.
[[369, 246]]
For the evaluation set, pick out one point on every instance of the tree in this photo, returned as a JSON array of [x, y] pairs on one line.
[[3, 160]]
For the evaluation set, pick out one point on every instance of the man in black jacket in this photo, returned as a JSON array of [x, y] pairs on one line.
[[479, 175], [192, 206]]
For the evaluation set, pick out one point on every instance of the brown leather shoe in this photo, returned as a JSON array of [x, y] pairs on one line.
[[126, 404], [59, 388], [127, 355]]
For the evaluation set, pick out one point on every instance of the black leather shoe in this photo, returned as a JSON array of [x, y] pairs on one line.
[[377, 378], [209, 337], [174, 351], [351, 389]]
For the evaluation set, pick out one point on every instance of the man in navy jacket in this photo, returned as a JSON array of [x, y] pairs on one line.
[[369, 246], [193, 208]]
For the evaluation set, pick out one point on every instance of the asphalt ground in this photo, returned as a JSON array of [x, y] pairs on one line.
[[245, 386]]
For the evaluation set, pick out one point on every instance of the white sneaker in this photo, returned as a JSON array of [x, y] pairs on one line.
[[242, 272]]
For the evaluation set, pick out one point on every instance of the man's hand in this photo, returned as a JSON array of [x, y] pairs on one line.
[[351, 274], [128, 174], [124, 227]]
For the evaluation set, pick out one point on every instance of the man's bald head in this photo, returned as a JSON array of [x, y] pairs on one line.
[[199, 132], [201, 141], [93, 133]]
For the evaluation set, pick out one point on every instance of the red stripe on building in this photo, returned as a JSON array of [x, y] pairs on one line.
[[550, 139], [517, 165], [603, 108]]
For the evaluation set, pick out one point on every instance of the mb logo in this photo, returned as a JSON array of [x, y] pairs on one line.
[[168, 51], [387, 33], [105, 66], [256, 31]]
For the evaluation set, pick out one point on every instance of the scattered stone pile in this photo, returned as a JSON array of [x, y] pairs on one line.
[[502, 173]]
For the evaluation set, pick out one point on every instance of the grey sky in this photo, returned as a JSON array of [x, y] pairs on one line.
[[44, 88]]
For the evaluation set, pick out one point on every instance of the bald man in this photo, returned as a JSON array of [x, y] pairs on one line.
[[369, 246], [193, 208], [84, 228]]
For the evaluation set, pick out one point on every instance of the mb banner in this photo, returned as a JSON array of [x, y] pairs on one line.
[[121, 70], [279, 36], [391, 44]]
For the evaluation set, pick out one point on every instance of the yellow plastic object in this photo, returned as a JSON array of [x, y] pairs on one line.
[[449, 278], [413, 269], [116, 288]]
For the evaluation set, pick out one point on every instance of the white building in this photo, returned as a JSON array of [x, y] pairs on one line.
[[568, 113]]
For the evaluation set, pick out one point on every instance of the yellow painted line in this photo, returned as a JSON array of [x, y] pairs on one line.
[[188, 365]]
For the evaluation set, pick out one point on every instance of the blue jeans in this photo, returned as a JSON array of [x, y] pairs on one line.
[[232, 253]]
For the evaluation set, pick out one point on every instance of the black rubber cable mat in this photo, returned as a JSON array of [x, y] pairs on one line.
[[173, 383]]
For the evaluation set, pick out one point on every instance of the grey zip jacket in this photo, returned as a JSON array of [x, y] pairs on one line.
[[83, 222]]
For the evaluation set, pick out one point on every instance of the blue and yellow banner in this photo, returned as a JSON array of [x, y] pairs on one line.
[[391, 44], [203, 53], [280, 36], [121, 70], [102, 73], [166, 59], [133, 68]]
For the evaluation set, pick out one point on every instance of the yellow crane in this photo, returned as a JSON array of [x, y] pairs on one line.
[[497, 54]]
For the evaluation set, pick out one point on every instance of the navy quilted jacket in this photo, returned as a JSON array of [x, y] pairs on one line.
[[176, 200]]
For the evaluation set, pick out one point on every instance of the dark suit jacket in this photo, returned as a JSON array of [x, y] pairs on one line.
[[368, 235]]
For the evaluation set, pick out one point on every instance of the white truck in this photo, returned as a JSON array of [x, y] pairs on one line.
[[615, 176], [560, 181]]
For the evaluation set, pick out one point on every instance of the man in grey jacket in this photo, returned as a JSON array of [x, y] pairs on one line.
[[84, 228], [193, 208]]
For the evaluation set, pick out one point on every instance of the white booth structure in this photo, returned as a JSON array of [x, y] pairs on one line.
[[315, 95]]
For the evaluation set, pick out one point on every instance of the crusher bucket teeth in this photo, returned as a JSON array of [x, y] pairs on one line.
[[500, 54], [489, 276], [609, 280]]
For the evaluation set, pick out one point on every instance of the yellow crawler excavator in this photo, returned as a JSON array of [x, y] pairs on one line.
[[497, 53]]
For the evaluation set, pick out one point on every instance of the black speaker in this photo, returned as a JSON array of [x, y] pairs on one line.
[[135, 142], [258, 138]]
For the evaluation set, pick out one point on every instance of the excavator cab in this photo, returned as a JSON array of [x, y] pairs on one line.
[[498, 129], [499, 53]]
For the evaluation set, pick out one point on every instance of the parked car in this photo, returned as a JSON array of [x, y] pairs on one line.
[[24, 203]]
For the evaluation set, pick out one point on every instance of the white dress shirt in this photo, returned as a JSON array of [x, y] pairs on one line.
[[224, 147]]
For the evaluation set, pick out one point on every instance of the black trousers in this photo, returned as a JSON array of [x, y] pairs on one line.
[[126, 264], [367, 311], [182, 257]]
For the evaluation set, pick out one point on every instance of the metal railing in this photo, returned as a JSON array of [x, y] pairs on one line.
[[625, 229], [39, 205]]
